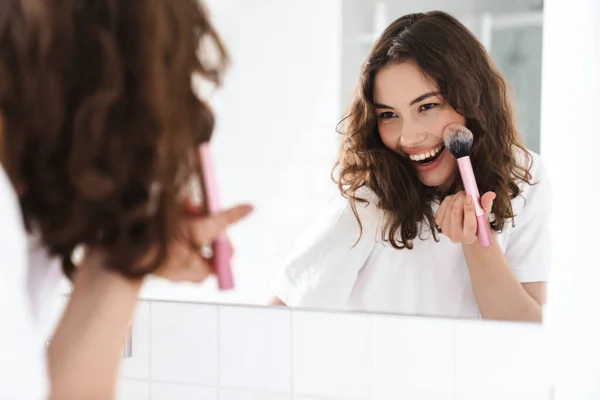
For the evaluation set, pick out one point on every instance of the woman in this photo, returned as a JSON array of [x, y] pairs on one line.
[[98, 121], [401, 238]]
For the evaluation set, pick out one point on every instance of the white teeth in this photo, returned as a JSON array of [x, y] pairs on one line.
[[422, 156]]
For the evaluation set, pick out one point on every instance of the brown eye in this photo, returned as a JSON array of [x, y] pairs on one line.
[[427, 106], [387, 115]]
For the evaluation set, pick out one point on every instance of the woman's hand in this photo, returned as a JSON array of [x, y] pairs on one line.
[[185, 262], [456, 216]]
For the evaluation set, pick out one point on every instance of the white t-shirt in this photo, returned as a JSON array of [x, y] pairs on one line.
[[29, 284], [327, 270]]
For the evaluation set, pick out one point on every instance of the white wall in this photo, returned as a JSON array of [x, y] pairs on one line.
[[275, 139], [570, 142], [358, 19]]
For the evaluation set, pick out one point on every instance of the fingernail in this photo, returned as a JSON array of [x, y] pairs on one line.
[[469, 200]]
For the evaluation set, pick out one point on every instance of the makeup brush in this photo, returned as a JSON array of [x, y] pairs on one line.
[[202, 199], [459, 140]]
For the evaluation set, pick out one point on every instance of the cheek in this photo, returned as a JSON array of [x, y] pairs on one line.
[[436, 124], [388, 136]]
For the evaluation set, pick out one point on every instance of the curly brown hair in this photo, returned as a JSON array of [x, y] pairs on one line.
[[449, 54], [100, 118]]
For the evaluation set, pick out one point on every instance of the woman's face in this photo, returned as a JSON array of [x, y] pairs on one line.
[[411, 117]]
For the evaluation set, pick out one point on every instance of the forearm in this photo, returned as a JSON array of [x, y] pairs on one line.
[[85, 352], [498, 293]]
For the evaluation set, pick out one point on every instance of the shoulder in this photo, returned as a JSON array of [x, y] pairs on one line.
[[531, 161], [339, 229], [13, 239], [535, 195], [22, 338], [323, 264], [348, 216]]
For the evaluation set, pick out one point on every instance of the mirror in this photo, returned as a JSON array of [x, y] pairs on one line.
[[295, 68]]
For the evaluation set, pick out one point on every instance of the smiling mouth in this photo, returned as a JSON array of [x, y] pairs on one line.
[[427, 157]]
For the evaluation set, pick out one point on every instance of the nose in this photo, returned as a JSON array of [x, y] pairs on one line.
[[412, 135]]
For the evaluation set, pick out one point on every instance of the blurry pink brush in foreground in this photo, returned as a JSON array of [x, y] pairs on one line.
[[458, 140], [219, 252]]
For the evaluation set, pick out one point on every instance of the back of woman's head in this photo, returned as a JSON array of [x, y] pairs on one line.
[[99, 119], [454, 60]]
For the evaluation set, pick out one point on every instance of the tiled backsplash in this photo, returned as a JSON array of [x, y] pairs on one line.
[[208, 352]]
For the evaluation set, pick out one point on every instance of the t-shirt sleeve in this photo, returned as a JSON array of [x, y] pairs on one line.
[[528, 250], [22, 352], [323, 266]]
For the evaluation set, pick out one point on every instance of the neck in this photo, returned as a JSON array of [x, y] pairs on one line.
[[451, 186]]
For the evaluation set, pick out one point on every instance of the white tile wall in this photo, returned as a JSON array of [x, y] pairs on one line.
[[411, 353], [331, 354], [138, 365], [209, 352], [172, 391], [302, 397], [520, 356], [249, 334], [133, 390], [505, 394], [228, 394], [184, 343]]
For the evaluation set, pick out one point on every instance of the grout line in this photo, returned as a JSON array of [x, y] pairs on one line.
[[150, 352], [253, 391], [454, 357], [191, 384], [345, 312], [291, 311], [218, 352], [229, 388]]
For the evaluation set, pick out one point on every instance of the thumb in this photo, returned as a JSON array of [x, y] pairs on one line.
[[487, 200]]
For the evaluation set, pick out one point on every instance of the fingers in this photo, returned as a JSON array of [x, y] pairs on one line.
[[207, 229], [455, 224], [184, 261], [184, 265], [487, 201], [441, 212], [470, 221], [457, 219], [196, 272]]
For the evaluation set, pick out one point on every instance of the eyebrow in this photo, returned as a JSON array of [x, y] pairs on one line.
[[415, 101]]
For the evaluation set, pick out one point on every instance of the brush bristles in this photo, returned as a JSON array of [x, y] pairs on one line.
[[458, 140]]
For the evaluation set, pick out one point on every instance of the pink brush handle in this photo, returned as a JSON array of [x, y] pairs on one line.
[[222, 248], [468, 177], [221, 260]]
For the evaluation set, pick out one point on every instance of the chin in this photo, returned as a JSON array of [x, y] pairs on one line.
[[435, 179]]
